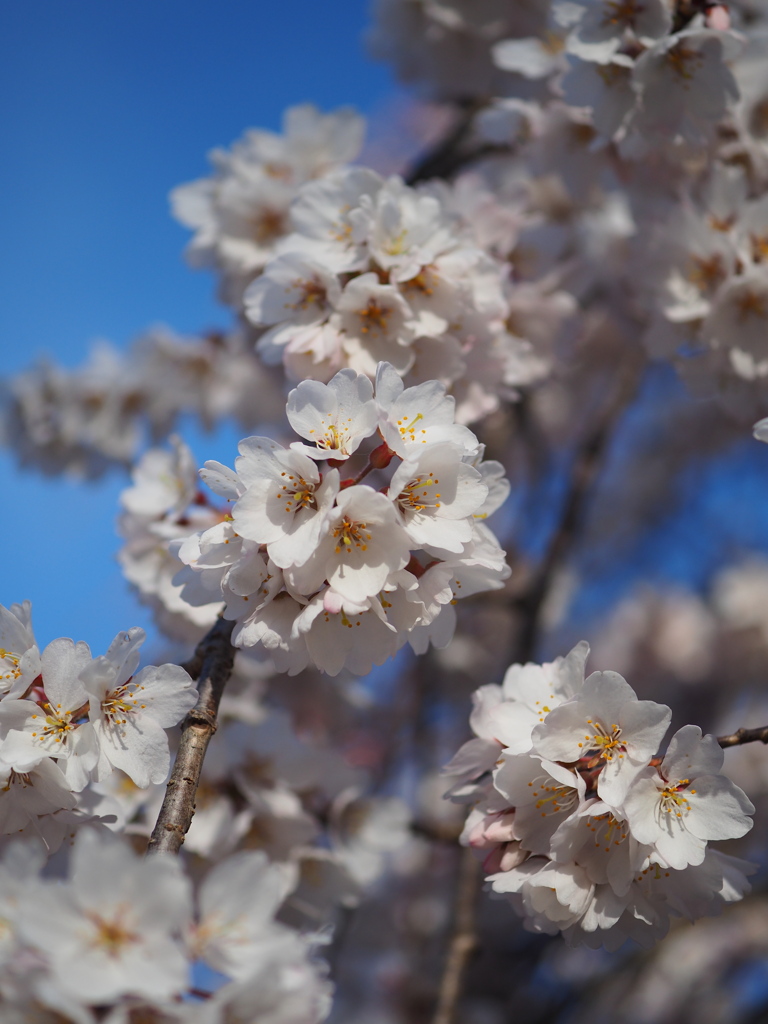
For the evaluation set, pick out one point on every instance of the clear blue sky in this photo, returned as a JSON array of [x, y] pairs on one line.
[[104, 107]]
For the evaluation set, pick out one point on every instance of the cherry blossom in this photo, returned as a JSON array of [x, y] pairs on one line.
[[337, 417], [608, 724], [115, 928], [684, 803], [19, 656]]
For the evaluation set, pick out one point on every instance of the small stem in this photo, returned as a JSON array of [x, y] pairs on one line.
[[215, 656], [463, 941], [200, 993], [736, 739], [362, 474]]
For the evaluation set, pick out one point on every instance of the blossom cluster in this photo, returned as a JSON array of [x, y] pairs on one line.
[[373, 270], [240, 212], [336, 573], [706, 269], [163, 504], [87, 420], [296, 800], [67, 720], [649, 79], [648, 83], [580, 824], [118, 937], [84, 754]]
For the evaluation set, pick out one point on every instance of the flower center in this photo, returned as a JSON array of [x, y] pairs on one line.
[[683, 61], [297, 492], [707, 273], [121, 702], [420, 494], [312, 293], [408, 430], [18, 778], [373, 317], [552, 798], [608, 831], [604, 741], [759, 245], [750, 304], [267, 225], [349, 535], [56, 724], [423, 282], [335, 437], [112, 935], [621, 12], [673, 801], [396, 246], [9, 665]]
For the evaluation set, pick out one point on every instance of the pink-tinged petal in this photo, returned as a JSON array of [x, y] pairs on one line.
[[473, 758]]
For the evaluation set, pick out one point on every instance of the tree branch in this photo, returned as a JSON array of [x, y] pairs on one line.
[[463, 941], [215, 655], [445, 158], [736, 739], [586, 468]]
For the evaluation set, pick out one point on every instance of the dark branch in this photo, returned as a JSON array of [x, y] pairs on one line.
[[586, 468], [736, 739], [446, 157], [215, 657]]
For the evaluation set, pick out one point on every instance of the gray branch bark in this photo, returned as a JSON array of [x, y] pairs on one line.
[[736, 739], [213, 660]]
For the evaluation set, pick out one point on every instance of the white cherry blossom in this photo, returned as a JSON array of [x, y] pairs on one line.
[[543, 794], [27, 794], [600, 26], [19, 655], [54, 728], [336, 416], [416, 416], [113, 928], [607, 724], [321, 218], [292, 290], [437, 495], [341, 633], [406, 229], [285, 501], [130, 713], [602, 844], [237, 904], [374, 320], [362, 544], [686, 801]]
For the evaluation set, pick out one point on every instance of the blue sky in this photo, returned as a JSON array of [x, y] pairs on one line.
[[104, 107]]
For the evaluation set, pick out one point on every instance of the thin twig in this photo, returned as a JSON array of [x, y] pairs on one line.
[[736, 739], [587, 466], [215, 656], [463, 941]]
